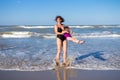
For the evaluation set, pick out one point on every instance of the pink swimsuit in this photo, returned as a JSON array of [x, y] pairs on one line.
[[67, 35]]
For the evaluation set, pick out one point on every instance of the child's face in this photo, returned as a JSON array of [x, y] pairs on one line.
[[67, 29]]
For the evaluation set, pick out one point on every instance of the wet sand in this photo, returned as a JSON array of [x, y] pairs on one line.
[[61, 74]]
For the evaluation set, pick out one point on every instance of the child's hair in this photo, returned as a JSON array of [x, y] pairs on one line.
[[67, 28]]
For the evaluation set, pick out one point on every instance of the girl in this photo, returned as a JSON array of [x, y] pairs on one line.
[[69, 37]]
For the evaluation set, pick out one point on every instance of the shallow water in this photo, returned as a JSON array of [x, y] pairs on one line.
[[36, 52]]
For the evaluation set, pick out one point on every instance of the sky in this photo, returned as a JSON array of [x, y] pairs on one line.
[[75, 12]]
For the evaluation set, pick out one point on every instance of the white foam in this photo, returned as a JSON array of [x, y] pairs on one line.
[[81, 26], [49, 36], [73, 26], [49, 67], [32, 27], [104, 34], [101, 34], [88, 68], [109, 26], [16, 35], [28, 69]]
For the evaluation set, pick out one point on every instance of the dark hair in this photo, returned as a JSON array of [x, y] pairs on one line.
[[62, 19], [66, 27]]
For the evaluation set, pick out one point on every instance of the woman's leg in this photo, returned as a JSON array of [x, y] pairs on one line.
[[59, 48], [65, 51]]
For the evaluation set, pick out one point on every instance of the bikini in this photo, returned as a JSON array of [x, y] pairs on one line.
[[60, 36]]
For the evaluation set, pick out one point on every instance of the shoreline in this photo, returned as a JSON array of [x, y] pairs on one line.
[[61, 74]]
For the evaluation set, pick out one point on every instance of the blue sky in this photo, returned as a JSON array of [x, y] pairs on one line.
[[75, 12]]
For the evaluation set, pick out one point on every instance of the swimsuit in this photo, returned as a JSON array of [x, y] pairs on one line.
[[67, 35], [60, 36]]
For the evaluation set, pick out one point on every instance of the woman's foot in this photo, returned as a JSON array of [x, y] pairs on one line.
[[64, 64], [57, 62]]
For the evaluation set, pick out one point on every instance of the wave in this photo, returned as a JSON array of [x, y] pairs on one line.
[[15, 34], [37, 68], [81, 26], [20, 63], [52, 26], [31, 27], [28, 34], [74, 26], [29, 66], [25, 34], [104, 34]]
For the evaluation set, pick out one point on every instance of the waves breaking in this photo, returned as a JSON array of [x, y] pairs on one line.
[[33, 48], [13, 34]]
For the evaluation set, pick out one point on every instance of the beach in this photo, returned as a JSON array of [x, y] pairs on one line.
[[32, 33], [61, 74]]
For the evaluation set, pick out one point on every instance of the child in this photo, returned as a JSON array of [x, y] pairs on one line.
[[69, 37]]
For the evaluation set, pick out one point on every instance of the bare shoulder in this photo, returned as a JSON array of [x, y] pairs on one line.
[[55, 26], [62, 26]]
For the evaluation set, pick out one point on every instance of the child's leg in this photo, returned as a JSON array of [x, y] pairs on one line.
[[73, 39], [78, 41]]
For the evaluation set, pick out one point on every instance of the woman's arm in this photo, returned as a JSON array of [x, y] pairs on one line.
[[56, 31]]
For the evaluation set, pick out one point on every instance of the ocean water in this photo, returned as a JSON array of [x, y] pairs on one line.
[[33, 48]]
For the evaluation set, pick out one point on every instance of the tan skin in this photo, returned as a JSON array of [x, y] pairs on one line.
[[73, 38], [58, 73], [60, 45]]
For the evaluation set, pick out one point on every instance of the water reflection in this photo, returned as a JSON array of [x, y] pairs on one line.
[[64, 73]]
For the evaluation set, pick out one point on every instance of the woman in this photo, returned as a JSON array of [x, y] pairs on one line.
[[61, 40]]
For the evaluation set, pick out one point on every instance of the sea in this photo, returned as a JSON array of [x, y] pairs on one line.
[[33, 47]]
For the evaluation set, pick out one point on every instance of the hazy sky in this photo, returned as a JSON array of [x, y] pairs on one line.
[[75, 12]]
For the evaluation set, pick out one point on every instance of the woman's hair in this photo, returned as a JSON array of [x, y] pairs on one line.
[[62, 19]]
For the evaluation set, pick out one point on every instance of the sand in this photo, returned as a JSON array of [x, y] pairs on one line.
[[61, 74]]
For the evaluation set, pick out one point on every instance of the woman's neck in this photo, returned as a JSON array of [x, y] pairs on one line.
[[59, 23]]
